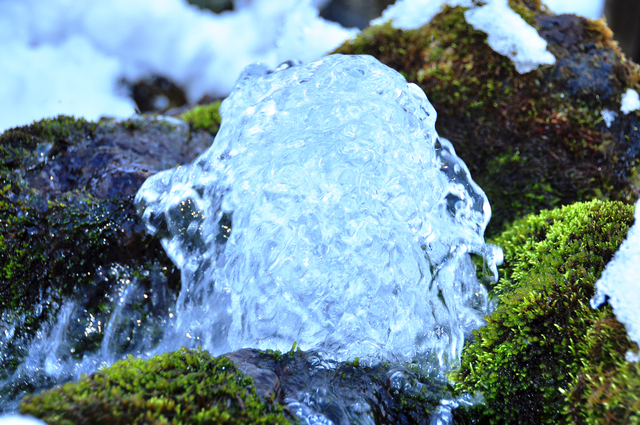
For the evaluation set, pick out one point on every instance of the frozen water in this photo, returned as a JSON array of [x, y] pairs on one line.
[[630, 101], [507, 33], [608, 116], [620, 281], [327, 212]]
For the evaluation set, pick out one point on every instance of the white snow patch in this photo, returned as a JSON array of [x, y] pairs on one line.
[[65, 56], [630, 101], [20, 420], [411, 14], [508, 34], [620, 281], [608, 116], [588, 8]]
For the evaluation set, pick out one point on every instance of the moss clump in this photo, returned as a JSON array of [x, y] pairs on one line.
[[204, 117], [539, 350], [181, 387], [532, 141]]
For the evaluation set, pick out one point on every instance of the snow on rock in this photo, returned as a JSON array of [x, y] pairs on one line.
[[508, 34], [65, 56], [630, 101], [411, 14], [608, 116], [620, 281], [588, 8]]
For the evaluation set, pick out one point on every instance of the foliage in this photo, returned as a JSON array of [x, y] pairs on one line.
[[544, 345], [181, 387]]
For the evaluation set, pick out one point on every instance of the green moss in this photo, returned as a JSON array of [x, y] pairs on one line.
[[181, 387], [74, 246], [538, 342], [204, 117], [532, 141]]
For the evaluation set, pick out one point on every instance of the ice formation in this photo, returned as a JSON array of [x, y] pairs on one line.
[[327, 212], [507, 33], [620, 282], [630, 101]]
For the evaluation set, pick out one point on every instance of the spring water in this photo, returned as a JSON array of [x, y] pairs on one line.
[[327, 212]]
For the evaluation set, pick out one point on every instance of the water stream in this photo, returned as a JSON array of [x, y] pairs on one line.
[[328, 212]]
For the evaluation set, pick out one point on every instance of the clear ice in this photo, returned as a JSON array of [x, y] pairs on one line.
[[327, 212]]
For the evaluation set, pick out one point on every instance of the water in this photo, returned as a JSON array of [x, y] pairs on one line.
[[327, 212]]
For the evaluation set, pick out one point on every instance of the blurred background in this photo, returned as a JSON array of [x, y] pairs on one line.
[[93, 59]]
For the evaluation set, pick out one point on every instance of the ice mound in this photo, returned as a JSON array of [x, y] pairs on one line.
[[620, 281], [327, 212]]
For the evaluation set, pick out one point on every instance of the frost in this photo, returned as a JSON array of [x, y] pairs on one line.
[[507, 33], [630, 101], [327, 212], [608, 116], [620, 281]]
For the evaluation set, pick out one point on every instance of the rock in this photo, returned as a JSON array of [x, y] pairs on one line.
[[71, 240], [531, 141]]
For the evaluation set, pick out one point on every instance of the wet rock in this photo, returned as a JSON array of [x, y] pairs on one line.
[[72, 243], [312, 386]]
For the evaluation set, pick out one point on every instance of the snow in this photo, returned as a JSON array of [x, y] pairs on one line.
[[507, 33], [588, 8], [412, 14], [20, 420], [65, 56], [630, 101], [608, 116], [510, 35], [620, 281]]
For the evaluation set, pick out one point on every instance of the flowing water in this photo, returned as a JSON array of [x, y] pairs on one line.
[[328, 212]]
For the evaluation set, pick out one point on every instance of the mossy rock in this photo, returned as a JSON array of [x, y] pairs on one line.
[[183, 387], [531, 141], [545, 355], [65, 237]]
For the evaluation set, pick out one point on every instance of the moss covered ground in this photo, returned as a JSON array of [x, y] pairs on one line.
[[183, 387]]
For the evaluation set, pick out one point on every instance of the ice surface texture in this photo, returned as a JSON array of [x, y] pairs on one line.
[[327, 212]]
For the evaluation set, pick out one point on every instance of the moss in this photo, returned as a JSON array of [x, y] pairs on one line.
[[25, 147], [73, 246], [532, 141], [204, 117], [181, 387], [538, 345]]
